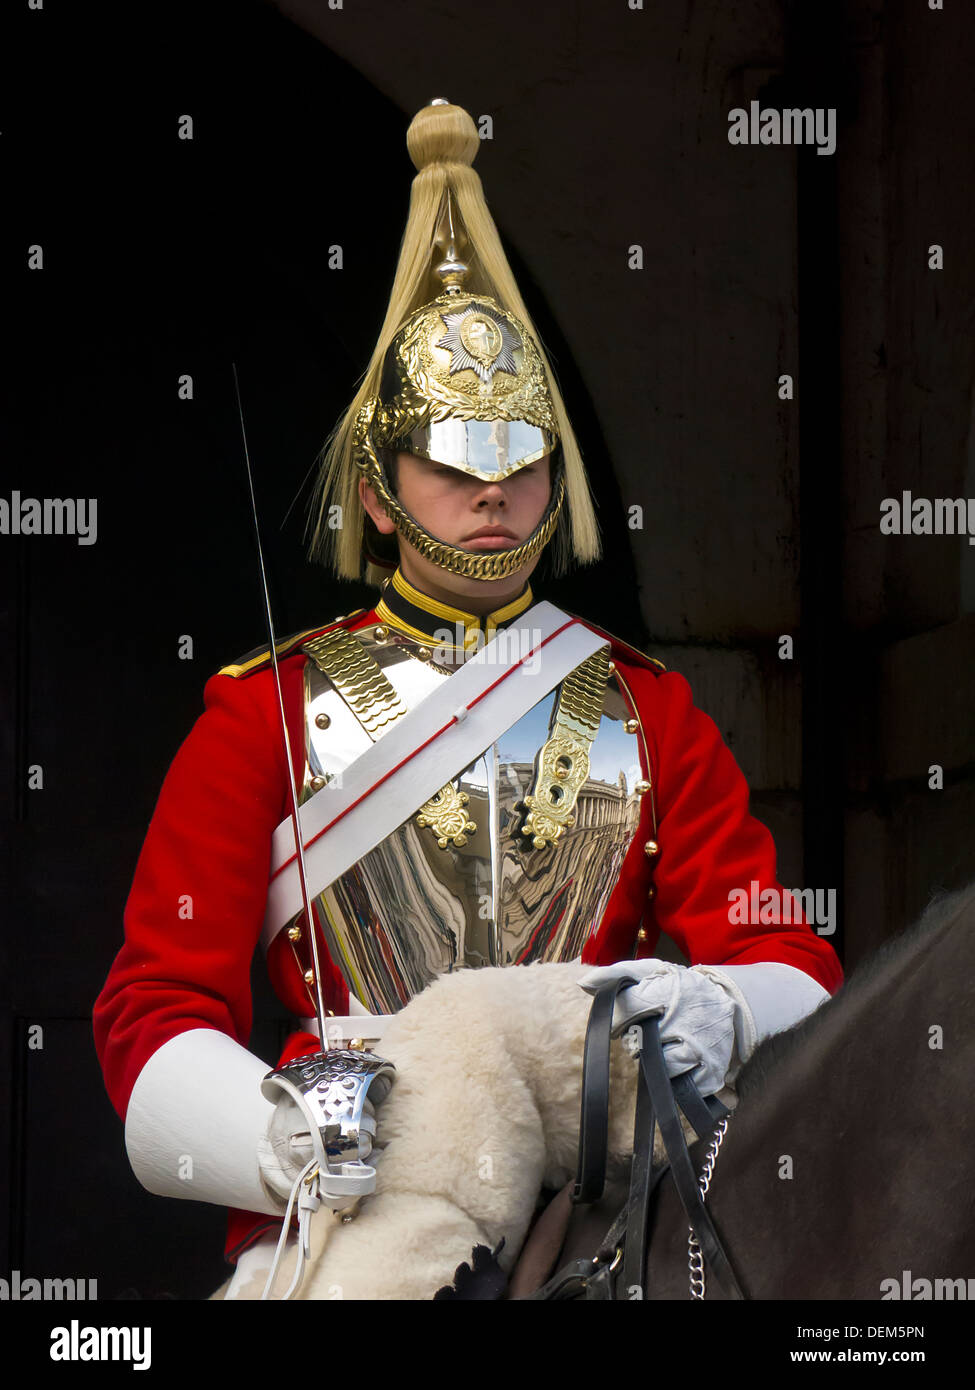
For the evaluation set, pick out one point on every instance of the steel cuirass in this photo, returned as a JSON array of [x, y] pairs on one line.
[[460, 883]]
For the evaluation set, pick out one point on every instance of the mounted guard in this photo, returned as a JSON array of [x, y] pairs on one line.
[[479, 780]]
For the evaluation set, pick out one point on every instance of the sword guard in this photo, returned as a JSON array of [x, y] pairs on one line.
[[331, 1088]]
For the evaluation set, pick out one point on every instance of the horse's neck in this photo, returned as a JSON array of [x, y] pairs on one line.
[[845, 1132], [867, 1035]]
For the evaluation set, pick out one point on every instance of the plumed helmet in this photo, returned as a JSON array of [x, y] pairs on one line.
[[458, 376]]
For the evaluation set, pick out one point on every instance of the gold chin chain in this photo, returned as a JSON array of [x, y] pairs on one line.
[[497, 565]]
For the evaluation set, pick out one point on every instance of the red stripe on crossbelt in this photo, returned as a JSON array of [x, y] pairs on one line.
[[419, 749]]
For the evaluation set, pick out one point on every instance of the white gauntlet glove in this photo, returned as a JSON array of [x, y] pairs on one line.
[[711, 1017], [697, 1017]]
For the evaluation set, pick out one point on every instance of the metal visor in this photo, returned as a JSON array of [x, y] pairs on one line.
[[485, 449]]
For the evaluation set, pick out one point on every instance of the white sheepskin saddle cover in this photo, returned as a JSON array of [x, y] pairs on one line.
[[484, 1112]]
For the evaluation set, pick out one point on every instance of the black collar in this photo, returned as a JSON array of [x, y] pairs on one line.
[[414, 613]]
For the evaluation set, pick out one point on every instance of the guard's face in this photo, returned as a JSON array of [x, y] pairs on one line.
[[466, 513], [462, 510]]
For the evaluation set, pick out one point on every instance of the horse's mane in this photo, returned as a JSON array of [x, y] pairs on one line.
[[942, 912]]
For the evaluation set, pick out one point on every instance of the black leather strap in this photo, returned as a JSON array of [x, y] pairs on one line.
[[569, 1282], [594, 1121], [654, 1070], [657, 1101], [638, 1205], [703, 1113]]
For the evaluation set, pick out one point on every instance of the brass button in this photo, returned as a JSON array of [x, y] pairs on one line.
[[611, 668], [322, 720], [309, 977], [294, 933], [317, 783], [424, 653], [642, 934], [631, 726], [651, 848], [356, 1045], [651, 892], [642, 788], [380, 634]]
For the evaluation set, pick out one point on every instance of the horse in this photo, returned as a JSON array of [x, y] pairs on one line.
[[846, 1171], [840, 1169]]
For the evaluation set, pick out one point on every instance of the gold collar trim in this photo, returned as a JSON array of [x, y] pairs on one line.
[[417, 615]]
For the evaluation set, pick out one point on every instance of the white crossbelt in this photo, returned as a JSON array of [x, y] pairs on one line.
[[422, 751], [369, 1027]]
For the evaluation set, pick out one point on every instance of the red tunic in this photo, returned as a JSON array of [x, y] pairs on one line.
[[196, 908]]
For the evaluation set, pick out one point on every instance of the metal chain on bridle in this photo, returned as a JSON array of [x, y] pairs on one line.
[[695, 1260]]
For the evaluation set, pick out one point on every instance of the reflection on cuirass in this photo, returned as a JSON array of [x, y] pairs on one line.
[[410, 909]]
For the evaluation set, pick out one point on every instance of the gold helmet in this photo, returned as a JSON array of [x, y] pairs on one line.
[[457, 377]]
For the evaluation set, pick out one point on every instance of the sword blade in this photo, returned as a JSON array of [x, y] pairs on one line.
[[295, 819]]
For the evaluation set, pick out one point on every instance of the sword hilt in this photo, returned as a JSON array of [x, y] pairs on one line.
[[331, 1088]]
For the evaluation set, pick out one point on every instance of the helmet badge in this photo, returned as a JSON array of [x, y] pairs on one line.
[[479, 342]]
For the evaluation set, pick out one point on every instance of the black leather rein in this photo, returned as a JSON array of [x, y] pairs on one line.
[[658, 1101]]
